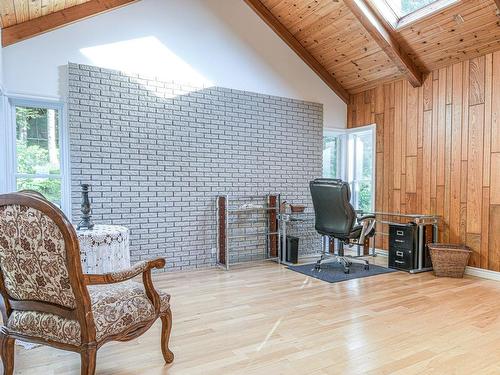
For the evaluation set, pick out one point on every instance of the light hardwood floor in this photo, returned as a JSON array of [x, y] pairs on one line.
[[266, 319]]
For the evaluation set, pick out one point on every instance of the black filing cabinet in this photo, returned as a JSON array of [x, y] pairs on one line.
[[403, 246]]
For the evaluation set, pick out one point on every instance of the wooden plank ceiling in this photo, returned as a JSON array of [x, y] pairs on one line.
[[339, 39], [335, 37], [23, 19], [13, 12]]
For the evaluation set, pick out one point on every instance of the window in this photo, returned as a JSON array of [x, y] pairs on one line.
[[350, 155], [404, 7], [331, 154], [400, 13], [360, 168], [37, 156]]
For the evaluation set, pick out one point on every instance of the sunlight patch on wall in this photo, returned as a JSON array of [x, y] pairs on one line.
[[147, 56]]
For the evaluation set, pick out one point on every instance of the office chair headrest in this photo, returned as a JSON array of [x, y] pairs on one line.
[[332, 181]]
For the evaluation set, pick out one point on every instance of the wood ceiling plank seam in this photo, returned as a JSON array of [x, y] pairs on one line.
[[347, 35], [333, 14], [353, 77], [280, 4], [311, 18], [47, 7], [288, 14], [464, 8], [335, 59], [375, 56], [271, 3], [70, 3], [446, 35], [22, 11], [285, 6], [363, 86], [8, 13], [342, 43], [58, 5], [481, 27], [35, 8], [471, 40], [369, 74], [319, 23], [489, 48], [464, 47], [339, 30], [335, 54], [303, 20], [374, 84], [446, 24], [330, 52]]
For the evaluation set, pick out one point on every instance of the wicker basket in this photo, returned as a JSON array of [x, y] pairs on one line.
[[449, 260]]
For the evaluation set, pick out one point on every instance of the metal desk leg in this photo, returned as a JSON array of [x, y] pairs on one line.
[[283, 242], [420, 247], [435, 233], [421, 251]]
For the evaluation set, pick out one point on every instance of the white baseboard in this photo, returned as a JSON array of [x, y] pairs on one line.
[[485, 274]]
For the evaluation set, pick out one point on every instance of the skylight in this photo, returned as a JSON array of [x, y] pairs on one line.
[[404, 7], [400, 13]]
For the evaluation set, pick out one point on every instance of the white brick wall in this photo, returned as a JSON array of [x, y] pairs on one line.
[[157, 153]]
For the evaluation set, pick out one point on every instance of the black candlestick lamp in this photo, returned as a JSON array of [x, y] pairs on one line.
[[86, 222]]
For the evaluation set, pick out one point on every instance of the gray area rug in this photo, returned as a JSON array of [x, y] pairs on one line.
[[334, 272]]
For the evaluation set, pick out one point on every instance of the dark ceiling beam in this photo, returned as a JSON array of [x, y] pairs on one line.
[[52, 21], [385, 39], [295, 45]]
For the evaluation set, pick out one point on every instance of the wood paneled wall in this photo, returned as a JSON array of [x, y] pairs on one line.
[[438, 151]]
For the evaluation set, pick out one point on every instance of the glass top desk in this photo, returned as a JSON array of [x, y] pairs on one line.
[[420, 220]]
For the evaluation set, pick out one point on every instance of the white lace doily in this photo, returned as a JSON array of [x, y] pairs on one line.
[[105, 248]]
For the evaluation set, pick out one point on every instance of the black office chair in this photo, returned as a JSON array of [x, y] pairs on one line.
[[335, 218]]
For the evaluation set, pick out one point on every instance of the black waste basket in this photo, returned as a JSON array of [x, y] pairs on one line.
[[291, 253]]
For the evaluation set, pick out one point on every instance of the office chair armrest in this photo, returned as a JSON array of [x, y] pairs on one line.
[[368, 223], [365, 217]]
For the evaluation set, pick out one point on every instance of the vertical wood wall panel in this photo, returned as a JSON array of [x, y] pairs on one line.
[[438, 151]]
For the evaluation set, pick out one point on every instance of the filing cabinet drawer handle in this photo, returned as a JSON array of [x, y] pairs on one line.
[[400, 233], [399, 253], [399, 241], [399, 261]]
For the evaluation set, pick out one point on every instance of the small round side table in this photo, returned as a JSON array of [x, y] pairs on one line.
[[104, 248]]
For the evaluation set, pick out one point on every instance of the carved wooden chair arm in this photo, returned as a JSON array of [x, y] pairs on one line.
[[126, 274]]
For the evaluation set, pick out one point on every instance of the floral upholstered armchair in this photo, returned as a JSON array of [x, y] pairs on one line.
[[47, 299]]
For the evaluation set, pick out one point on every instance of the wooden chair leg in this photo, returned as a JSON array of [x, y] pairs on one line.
[[88, 358], [166, 327], [7, 354]]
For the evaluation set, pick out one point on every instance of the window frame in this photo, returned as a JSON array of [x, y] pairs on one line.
[[355, 181], [340, 148], [342, 159], [398, 23], [13, 101]]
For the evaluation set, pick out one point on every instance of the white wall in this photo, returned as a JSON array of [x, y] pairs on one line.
[[218, 42], [1, 65]]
